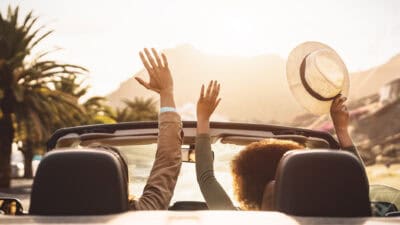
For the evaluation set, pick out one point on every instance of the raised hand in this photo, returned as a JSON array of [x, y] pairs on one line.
[[339, 113], [340, 118], [206, 105], [160, 75]]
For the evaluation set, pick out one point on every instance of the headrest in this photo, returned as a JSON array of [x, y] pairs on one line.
[[325, 183], [79, 182]]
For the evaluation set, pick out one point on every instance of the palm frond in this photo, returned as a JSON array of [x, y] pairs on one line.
[[41, 38], [27, 18], [46, 92], [13, 15]]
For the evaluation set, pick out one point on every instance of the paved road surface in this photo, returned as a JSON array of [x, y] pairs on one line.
[[21, 189]]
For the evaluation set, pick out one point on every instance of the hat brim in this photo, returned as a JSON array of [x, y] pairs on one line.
[[305, 99]]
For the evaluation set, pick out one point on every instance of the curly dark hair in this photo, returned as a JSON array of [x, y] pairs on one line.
[[255, 166]]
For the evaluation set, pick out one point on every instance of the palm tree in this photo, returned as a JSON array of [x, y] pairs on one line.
[[96, 108], [137, 110], [71, 85], [28, 98], [98, 111]]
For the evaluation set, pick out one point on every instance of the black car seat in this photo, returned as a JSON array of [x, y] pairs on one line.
[[118, 154], [79, 182], [322, 183]]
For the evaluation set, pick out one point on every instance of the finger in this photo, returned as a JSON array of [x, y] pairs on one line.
[[217, 88], [209, 89], [150, 58], [336, 104], [340, 102], [202, 92], [165, 61], [217, 91], [142, 82], [214, 92], [214, 84], [145, 63], [335, 101], [159, 64], [150, 69]]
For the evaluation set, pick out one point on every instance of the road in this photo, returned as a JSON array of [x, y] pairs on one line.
[[21, 189]]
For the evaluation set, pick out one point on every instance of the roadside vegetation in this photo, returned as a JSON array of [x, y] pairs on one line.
[[39, 95]]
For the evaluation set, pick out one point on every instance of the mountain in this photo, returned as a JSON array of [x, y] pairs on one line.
[[253, 88], [369, 82]]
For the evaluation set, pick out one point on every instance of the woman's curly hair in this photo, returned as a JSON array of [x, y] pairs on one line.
[[255, 166]]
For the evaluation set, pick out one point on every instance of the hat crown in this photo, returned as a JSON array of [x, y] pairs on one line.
[[324, 73], [316, 75]]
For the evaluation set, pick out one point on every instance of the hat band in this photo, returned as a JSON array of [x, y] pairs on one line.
[[307, 87]]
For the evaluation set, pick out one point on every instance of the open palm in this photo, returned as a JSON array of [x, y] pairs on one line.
[[159, 73], [208, 101]]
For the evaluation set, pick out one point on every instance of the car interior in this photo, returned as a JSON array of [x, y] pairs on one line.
[[74, 178], [79, 182], [321, 183]]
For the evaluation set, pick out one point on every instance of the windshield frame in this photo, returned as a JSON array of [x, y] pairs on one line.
[[222, 129]]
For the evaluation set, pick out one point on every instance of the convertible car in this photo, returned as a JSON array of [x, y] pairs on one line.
[[76, 184]]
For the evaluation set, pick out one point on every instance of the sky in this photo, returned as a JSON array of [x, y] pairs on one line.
[[106, 36]]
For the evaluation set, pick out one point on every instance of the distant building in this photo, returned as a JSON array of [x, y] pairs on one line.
[[390, 92]]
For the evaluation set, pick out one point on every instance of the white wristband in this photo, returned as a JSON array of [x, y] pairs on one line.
[[167, 109]]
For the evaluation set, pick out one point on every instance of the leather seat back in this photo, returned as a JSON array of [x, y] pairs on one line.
[[323, 183], [79, 182]]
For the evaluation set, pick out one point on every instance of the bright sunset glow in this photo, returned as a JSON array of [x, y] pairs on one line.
[[105, 36], [197, 105]]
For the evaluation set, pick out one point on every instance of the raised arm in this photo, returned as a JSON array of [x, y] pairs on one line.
[[161, 183], [213, 193], [340, 118]]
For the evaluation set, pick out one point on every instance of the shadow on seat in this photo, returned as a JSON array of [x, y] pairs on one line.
[[321, 183], [79, 182]]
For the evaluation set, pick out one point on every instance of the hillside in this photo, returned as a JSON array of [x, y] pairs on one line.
[[369, 82], [253, 88]]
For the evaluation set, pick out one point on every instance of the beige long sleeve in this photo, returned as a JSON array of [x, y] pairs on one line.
[[161, 183]]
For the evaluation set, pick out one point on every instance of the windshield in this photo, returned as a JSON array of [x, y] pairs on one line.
[[384, 180], [140, 160]]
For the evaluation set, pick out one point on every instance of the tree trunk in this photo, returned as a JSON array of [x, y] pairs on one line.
[[6, 126], [6, 138], [28, 156]]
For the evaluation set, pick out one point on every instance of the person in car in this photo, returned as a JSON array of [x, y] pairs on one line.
[[161, 183], [255, 166]]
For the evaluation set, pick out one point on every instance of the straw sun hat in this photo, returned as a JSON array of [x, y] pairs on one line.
[[316, 75]]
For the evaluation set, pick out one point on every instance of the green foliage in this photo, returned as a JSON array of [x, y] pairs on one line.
[[137, 110], [31, 92], [38, 96], [98, 111]]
